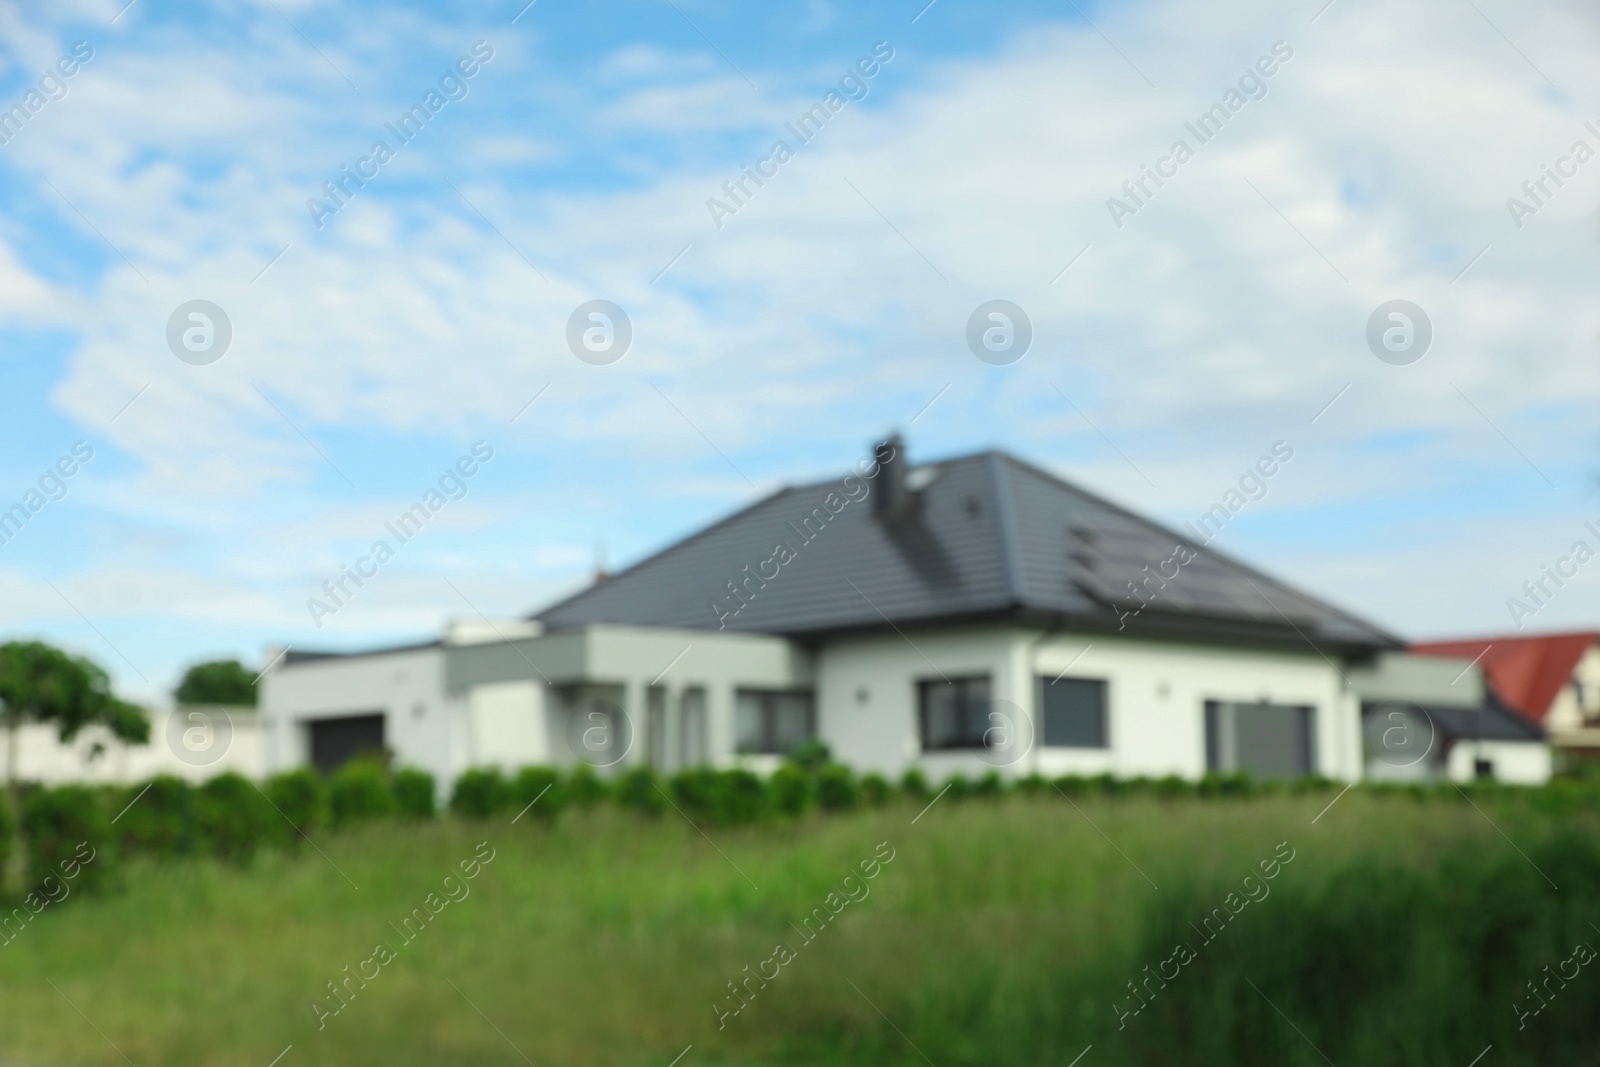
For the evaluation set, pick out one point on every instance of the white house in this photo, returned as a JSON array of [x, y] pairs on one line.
[[970, 613]]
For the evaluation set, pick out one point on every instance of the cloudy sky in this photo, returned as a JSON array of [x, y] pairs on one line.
[[1173, 345]]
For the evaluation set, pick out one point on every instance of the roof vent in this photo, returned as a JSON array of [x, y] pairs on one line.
[[893, 492]]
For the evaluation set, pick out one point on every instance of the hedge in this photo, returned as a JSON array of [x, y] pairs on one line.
[[228, 817]]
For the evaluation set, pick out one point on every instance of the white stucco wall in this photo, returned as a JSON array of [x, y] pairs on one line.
[[1515, 762], [1156, 693], [42, 757], [422, 725]]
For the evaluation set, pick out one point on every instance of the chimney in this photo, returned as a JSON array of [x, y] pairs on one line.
[[893, 493]]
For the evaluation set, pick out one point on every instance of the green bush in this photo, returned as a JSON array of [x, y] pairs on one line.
[[542, 784], [480, 793], [792, 789], [413, 793], [1033, 785], [875, 789], [69, 832], [990, 787], [302, 802], [637, 789], [812, 754], [957, 787], [584, 788], [157, 818], [1172, 787], [360, 790], [1071, 786], [914, 784], [8, 838], [1234, 784], [232, 818], [837, 789], [698, 792], [744, 796]]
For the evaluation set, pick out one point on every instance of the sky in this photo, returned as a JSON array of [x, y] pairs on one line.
[[382, 334]]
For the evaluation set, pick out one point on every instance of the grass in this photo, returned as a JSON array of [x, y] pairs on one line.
[[1001, 931]]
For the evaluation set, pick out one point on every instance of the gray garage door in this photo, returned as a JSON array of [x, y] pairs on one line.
[[1265, 740]]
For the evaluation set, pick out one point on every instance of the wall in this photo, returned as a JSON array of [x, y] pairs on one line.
[[1156, 695], [424, 726], [42, 757], [1515, 762]]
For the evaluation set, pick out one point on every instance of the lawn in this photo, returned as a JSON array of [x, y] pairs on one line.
[[989, 931]]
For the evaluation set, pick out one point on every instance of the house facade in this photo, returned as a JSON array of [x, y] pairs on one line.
[[961, 615]]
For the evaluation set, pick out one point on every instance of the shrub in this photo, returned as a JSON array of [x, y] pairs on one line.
[[157, 818], [744, 796], [1234, 784], [413, 793], [813, 754], [637, 789], [957, 787], [232, 818], [542, 784], [914, 784], [1071, 786], [1172, 787], [68, 832], [792, 789], [302, 802], [360, 790], [875, 789], [990, 787], [698, 793], [584, 787], [480, 793], [837, 789], [1033, 785], [8, 837]]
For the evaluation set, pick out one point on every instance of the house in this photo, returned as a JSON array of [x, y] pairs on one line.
[[960, 615], [1549, 680], [1434, 718]]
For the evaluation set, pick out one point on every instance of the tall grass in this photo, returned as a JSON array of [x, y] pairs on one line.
[[1001, 933]]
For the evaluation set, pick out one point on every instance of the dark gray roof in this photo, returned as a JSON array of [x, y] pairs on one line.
[[985, 535], [1491, 722]]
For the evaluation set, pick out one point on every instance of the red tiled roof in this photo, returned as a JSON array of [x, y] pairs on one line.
[[1525, 672]]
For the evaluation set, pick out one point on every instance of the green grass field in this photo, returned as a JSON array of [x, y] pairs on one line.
[[999, 932]]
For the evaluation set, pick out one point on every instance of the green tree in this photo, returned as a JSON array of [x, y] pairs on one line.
[[39, 683], [219, 682]]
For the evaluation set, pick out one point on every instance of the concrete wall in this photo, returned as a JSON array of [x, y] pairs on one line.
[[194, 743]]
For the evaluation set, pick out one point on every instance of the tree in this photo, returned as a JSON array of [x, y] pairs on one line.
[[219, 682], [39, 683]]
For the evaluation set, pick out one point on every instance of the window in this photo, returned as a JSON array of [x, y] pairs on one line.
[[954, 713], [1482, 768], [773, 722], [1074, 712], [1265, 740]]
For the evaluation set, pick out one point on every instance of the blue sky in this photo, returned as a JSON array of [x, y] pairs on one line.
[[371, 352]]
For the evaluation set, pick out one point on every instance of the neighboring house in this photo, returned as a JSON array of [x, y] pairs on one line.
[[970, 613], [1429, 718], [192, 742], [1550, 680]]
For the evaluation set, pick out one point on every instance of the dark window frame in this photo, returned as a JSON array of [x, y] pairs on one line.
[[1047, 686], [964, 739], [771, 733]]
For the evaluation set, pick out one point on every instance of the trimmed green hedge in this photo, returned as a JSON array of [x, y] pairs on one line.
[[229, 818]]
